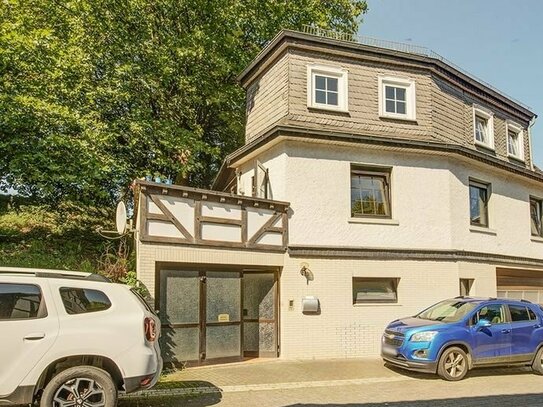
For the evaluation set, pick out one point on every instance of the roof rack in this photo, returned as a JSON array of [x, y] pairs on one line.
[[73, 275], [523, 300]]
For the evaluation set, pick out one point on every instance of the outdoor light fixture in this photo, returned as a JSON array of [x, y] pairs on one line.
[[304, 271]]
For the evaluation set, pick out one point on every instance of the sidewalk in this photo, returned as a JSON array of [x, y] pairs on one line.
[[338, 383], [272, 374]]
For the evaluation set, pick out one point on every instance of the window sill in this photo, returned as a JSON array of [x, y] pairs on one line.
[[516, 158], [482, 229], [402, 118], [536, 239], [328, 108], [483, 145], [377, 304], [374, 221]]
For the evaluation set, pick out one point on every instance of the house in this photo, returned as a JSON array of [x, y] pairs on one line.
[[376, 179]]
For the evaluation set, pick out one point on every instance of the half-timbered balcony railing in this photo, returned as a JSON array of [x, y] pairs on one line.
[[188, 216]]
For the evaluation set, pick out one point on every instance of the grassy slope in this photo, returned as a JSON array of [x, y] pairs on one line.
[[40, 237]]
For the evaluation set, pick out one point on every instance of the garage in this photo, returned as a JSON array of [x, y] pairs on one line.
[[520, 284]]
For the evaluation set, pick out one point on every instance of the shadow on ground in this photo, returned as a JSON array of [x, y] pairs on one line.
[[479, 372], [514, 400], [194, 395]]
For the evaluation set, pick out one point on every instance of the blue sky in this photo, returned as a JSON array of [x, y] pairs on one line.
[[499, 41]]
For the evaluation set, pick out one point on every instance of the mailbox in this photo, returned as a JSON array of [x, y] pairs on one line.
[[310, 305]]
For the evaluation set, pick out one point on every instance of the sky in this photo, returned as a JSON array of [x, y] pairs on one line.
[[498, 41]]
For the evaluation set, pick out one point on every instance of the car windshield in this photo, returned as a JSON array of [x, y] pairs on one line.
[[447, 311]]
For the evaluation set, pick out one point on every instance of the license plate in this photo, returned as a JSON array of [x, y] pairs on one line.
[[387, 350]]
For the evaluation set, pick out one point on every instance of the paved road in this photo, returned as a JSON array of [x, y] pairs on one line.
[[340, 383]]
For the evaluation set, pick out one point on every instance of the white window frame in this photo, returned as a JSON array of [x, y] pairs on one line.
[[410, 97], [515, 128], [342, 75], [479, 111]]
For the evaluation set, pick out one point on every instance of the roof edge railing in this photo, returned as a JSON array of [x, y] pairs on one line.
[[402, 47]]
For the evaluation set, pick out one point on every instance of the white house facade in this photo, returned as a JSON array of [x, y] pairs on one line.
[[374, 182]]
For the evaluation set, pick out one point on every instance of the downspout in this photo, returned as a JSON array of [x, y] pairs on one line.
[[530, 125]]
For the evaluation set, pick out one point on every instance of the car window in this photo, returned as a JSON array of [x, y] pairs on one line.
[[447, 311], [82, 301], [21, 301], [533, 317], [518, 313], [493, 313]]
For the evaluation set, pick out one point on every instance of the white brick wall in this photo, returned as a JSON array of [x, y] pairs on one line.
[[346, 330]]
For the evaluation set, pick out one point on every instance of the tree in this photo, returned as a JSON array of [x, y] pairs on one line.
[[94, 93]]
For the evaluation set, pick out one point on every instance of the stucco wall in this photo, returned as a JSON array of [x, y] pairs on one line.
[[430, 201]]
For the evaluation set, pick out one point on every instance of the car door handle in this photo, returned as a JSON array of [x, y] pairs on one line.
[[36, 336], [506, 331], [537, 326]]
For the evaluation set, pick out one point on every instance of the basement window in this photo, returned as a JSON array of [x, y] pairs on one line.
[[375, 290]]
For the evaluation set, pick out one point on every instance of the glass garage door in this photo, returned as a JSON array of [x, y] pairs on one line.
[[200, 314]]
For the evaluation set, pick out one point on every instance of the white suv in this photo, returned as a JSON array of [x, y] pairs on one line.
[[73, 339]]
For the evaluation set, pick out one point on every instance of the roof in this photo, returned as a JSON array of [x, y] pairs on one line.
[[49, 273], [371, 47]]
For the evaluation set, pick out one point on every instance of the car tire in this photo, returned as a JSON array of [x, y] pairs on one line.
[[80, 384], [537, 364], [453, 364]]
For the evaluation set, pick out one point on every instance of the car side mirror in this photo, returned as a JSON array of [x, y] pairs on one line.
[[483, 323]]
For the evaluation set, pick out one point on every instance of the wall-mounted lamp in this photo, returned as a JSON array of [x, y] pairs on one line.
[[304, 271]]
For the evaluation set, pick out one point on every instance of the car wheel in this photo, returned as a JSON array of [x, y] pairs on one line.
[[453, 364], [83, 386], [537, 364]]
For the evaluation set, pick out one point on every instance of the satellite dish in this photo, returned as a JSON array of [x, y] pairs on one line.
[[120, 218]]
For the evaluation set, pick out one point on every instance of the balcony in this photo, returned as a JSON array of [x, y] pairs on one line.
[[187, 216]]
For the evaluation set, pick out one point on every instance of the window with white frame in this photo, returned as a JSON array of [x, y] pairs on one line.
[[535, 217], [483, 127], [397, 98], [260, 181], [327, 88], [515, 142]]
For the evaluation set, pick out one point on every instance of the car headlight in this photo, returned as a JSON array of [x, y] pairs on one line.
[[423, 336]]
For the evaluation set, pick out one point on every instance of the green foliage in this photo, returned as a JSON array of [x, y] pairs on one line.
[[37, 236], [94, 93]]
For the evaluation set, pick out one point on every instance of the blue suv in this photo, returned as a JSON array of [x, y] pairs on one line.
[[456, 335]]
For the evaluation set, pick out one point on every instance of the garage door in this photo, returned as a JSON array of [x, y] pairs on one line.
[[520, 284]]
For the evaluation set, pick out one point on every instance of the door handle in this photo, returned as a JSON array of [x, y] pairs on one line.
[[36, 336], [506, 331]]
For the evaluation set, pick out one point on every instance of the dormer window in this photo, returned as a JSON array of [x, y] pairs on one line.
[[397, 98], [515, 142], [483, 127], [327, 88]]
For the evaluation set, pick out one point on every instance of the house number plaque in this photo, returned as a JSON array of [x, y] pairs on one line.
[[224, 318]]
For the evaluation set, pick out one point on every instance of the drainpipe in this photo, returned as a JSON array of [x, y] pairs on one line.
[[532, 122]]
